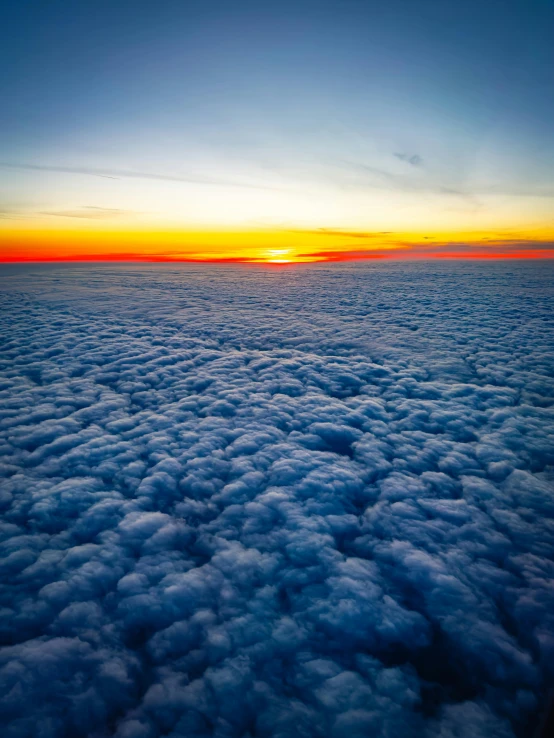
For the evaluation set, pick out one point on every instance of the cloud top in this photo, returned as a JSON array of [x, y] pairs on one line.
[[239, 502]]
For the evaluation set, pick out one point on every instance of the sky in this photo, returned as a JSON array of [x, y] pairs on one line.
[[276, 131]]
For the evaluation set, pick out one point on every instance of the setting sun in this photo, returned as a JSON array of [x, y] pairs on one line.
[[278, 256]]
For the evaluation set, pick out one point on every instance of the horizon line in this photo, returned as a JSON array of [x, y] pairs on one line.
[[528, 255]]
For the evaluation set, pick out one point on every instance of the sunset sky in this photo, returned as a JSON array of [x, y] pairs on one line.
[[276, 131], [276, 387]]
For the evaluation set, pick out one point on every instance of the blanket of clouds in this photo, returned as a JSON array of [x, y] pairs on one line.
[[251, 502]]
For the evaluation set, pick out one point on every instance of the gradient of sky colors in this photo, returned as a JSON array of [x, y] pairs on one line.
[[276, 130]]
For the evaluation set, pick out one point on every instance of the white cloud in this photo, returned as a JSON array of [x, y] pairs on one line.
[[241, 502]]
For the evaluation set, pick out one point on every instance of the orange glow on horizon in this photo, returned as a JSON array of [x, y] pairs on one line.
[[277, 246]]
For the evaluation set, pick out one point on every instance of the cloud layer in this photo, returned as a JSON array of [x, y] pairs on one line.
[[247, 502]]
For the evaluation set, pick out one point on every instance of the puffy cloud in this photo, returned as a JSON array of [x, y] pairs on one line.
[[309, 502]]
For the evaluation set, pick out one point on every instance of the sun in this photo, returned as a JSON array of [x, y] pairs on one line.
[[277, 256]]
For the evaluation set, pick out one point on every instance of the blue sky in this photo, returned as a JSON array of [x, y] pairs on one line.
[[398, 115]]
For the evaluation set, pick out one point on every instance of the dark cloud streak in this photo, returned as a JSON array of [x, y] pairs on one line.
[[413, 159]]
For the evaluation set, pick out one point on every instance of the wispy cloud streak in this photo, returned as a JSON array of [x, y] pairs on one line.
[[135, 174]]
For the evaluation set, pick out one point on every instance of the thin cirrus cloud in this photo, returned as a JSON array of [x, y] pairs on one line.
[[89, 212], [334, 232], [367, 175], [134, 174]]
